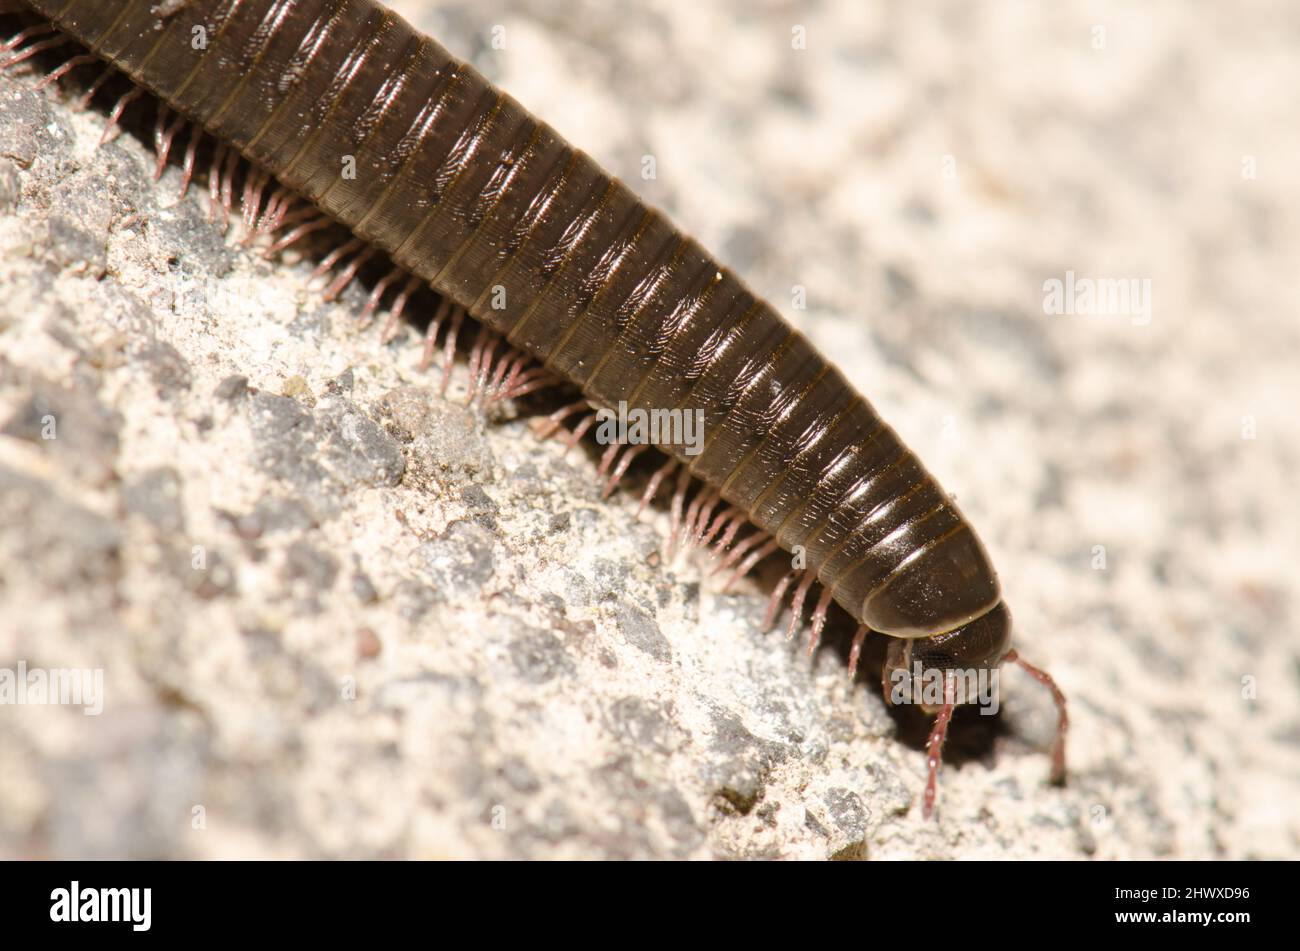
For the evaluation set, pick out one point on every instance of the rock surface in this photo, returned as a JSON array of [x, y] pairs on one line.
[[337, 615]]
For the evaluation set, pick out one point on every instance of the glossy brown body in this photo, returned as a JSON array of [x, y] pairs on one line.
[[460, 185]]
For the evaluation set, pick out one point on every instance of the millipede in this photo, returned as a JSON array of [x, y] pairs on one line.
[[337, 113]]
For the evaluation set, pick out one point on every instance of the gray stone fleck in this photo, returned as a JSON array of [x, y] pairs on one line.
[[214, 579], [169, 371], [282, 426], [610, 579], [538, 655], [73, 245], [847, 811], [680, 820], [640, 723], [73, 545], [816, 827], [344, 382], [10, 185], [303, 562], [480, 505], [739, 764], [520, 776], [156, 495], [27, 127], [413, 599], [640, 630], [355, 448], [363, 589], [461, 559], [558, 823], [71, 423], [445, 438], [275, 514], [84, 207], [232, 388]]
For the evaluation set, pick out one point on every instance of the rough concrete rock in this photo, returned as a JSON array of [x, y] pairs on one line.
[[337, 615]]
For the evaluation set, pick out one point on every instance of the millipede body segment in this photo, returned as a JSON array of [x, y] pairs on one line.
[[419, 155]]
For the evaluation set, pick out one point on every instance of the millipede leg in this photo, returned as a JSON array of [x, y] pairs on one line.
[[164, 137], [255, 217], [737, 553], [516, 380], [483, 370], [59, 72], [431, 334], [492, 387], [695, 531], [733, 524], [277, 207], [376, 296], [934, 748], [747, 565], [214, 181], [777, 599], [855, 652], [699, 512], [297, 234], [1063, 719], [120, 107], [18, 39], [693, 513], [251, 202], [506, 382], [796, 607], [399, 305], [449, 346], [730, 512], [535, 379], [89, 94], [475, 358], [334, 257], [228, 187], [738, 520], [675, 511], [579, 431], [621, 469], [348, 274], [652, 487], [305, 212], [818, 621], [191, 154], [556, 419], [159, 127], [32, 50], [607, 458], [335, 287]]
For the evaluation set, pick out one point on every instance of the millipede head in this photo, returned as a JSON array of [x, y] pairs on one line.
[[954, 660], [978, 645]]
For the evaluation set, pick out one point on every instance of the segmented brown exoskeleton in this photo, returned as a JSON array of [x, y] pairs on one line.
[[343, 103]]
